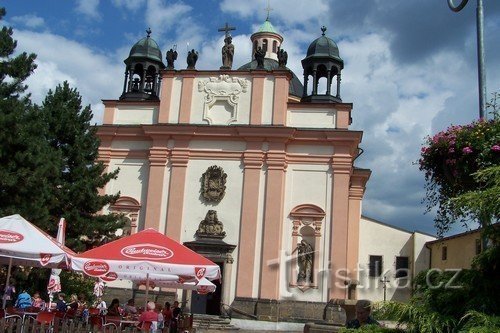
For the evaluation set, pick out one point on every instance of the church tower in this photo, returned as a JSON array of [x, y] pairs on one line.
[[268, 39], [142, 74], [322, 61]]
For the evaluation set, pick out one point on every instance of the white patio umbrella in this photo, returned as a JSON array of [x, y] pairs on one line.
[[24, 244]]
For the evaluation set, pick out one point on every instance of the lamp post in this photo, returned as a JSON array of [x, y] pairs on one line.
[[480, 51]]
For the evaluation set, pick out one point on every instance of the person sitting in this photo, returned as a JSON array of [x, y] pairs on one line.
[[114, 308], [23, 300], [73, 303], [100, 304], [129, 309], [37, 301], [149, 316], [61, 305], [363, 310]]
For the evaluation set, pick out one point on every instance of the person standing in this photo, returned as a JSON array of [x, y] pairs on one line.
[[10, 290], [167, 317], [176, 313]]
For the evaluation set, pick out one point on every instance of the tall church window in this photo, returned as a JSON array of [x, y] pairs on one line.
[[264, 45], [130, 208], [375, 266], [275, 46], [402, 266]]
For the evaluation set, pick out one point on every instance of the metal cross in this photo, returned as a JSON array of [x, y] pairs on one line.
[[226, 29], [268, 9], [148, 31]]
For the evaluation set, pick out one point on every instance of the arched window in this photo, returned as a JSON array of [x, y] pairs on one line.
[[255, 45], [275, 47], [264, 45], [130, 208]]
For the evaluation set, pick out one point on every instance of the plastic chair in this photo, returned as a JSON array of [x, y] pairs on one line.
[[98, 322], [46, 319]]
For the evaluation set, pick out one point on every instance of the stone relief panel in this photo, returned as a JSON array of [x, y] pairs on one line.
[[211, 227], [221, 98], [213, 184]]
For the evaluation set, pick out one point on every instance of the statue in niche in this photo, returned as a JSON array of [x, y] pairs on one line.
[[211, 226], [305, 255], [213, 184], [192, 58], [171, 57], [282, 58]]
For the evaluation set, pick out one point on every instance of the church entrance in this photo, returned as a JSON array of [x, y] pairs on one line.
[[209, 304]]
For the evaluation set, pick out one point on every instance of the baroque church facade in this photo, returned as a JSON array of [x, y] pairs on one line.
[[249, 167]]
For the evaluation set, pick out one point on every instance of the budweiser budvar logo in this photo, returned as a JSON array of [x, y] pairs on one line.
[[7, 236], [95, 268], [111, 276], [200, 272], [45, 258], [147, 251]]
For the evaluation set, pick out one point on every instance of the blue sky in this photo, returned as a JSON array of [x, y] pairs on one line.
[[410, 66]]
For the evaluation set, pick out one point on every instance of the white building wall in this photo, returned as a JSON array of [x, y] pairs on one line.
[[421, 254], [305, 184], [312, 118], [175, 102], [379, 239], [134, 115], [268, 100]]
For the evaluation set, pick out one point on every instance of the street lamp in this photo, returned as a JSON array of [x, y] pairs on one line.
[[480, 51]]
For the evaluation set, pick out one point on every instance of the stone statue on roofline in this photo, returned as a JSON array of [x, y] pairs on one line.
[[192, 57], [259, 57], [282, 58], [227, 53], [171, 57]]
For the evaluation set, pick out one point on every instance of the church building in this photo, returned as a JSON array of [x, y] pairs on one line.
[[247, 166]]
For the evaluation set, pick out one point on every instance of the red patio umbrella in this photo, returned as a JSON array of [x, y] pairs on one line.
[[148, 256]]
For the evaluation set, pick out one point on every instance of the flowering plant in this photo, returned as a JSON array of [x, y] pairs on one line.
[[451, 157]]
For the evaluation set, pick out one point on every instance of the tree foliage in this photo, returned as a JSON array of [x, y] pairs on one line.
[[450, 159], [25, 158], [80, 175]]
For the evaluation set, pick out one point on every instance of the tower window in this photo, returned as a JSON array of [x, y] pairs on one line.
[[275, 46], [264, 45]]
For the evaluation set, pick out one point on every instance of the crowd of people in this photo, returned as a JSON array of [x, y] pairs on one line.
[[163, 319]]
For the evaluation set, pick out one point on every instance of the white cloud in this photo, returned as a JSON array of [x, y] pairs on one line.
[[132, 5], [89, 8], [292, 12], [95, 76], [161, 16], [29, 20]]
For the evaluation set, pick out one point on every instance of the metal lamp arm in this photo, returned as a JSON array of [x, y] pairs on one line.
[[459, 7]]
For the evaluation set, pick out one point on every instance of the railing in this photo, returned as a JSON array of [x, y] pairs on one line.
[[16, 324], [227, 310]]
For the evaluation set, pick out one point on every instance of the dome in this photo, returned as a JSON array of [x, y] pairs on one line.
[[323, 47], [267, 27], [296, 87], [145, 48]]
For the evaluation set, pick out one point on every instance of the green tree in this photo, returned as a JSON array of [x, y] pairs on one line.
[[80, 175], [25, 159]]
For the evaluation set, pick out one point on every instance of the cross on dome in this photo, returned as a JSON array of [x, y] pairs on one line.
[[323, 29], [148, 32], [268, 9]]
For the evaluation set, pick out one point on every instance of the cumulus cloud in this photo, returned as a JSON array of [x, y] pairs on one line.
[[30, 21], [89, 8], [95, 75]]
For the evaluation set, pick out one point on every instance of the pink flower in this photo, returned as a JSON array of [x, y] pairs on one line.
[[451, 150], [495, 148], [467, 150]]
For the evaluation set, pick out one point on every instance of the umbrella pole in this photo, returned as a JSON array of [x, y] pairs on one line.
[[7, 282], [147, 292]]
